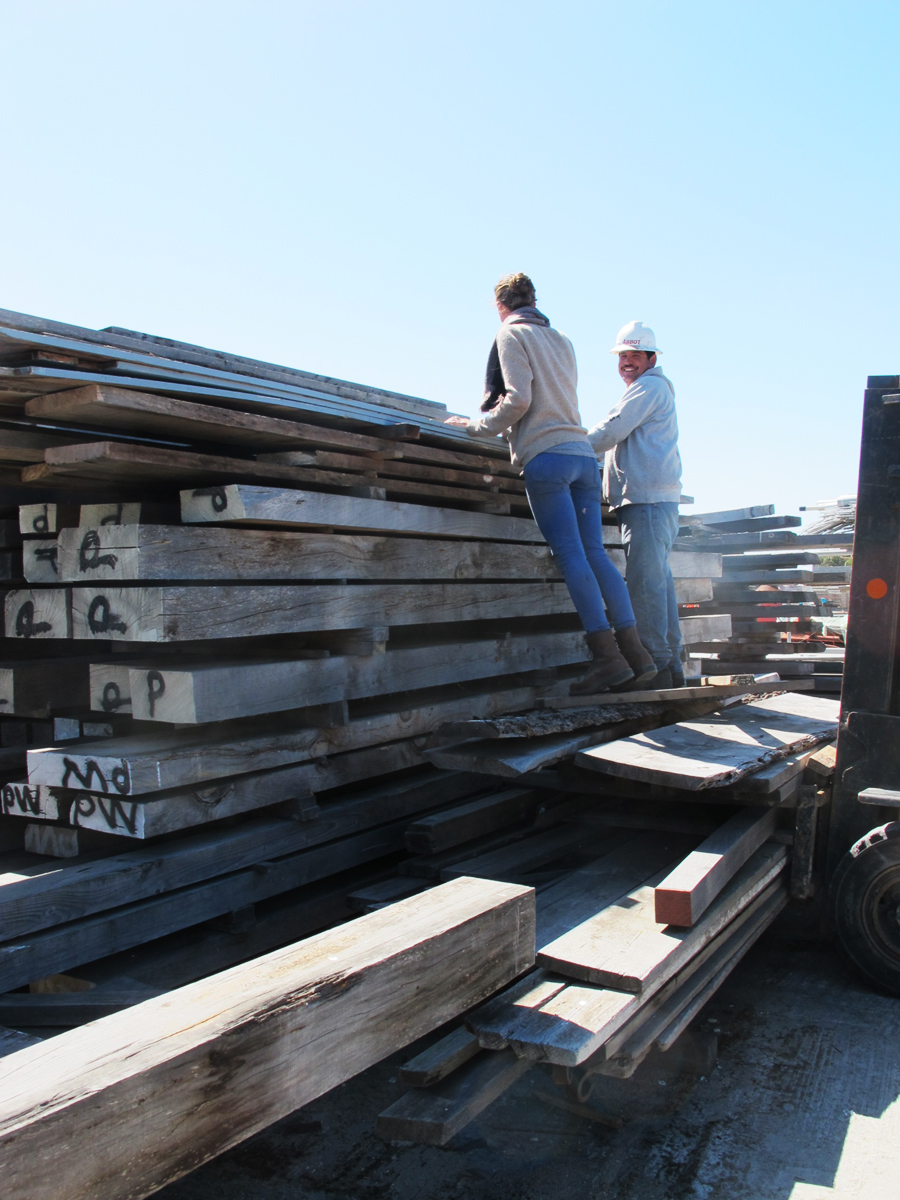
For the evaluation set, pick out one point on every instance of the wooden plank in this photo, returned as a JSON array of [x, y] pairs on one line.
[[112, 931], [111, 407], [206, 552], [440, 1059], [37, 614], [433, 1117], [477, 818], [29, 445], [704, 692], [72, 1008], [176, 614], [704, 627], [514, 757], [693, 564], [126, 512], [721, 749], [121, 462], [141, 1086], [624, 947], [693, 591], [12, 1040], [129, 766], [511, 862], [39, 560], [731, 514], [687, 891], [166, 812], [628, 860], [223, 692], [545, 1019], [45, 519], [769, 562], [659, 1018], [247, 503]]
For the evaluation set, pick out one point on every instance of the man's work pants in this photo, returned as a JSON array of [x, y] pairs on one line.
[[648, 534]]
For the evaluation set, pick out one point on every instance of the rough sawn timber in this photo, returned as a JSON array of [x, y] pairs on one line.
[[687, 892], [248, 503], [118, 553], [163, 1087], [177, 614], [223, 692]]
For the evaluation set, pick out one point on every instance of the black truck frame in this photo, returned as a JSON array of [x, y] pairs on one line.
[[862, 862]]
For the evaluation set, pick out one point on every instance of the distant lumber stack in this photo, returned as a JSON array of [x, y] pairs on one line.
[[780, 589]]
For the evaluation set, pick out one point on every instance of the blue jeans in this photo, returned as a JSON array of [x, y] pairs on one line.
[[564, 494], [649, 532]]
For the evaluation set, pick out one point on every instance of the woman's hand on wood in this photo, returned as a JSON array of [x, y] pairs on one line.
[[460, 422]]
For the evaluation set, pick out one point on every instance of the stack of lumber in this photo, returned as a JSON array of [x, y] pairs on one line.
[[694, 855], [776, 590], [237, 598]]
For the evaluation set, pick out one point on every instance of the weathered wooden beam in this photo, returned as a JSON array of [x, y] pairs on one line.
[[161, 1088], [248, 503], [211, 553], [176, 614], [213, 692]]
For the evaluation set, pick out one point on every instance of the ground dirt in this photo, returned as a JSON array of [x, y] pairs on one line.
[[803, 1105]]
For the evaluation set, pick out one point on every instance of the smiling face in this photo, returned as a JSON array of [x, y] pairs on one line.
[[633, 364]]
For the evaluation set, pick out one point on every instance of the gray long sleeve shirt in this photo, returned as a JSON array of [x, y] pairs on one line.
[[640, 441], [540, 407]]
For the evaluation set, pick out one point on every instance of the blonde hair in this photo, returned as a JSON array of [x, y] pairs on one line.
[[515, 291]]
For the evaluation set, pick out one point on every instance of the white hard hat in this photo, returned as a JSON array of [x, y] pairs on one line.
[[635, 336]]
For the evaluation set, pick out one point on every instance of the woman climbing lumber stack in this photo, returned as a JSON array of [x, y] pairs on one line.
[[530, 395]]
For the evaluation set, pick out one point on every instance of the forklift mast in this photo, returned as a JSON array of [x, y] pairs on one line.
[[862, 864]]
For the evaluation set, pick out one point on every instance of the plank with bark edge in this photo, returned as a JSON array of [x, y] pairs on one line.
[[719, 750], [152, 762], [149, 1088]]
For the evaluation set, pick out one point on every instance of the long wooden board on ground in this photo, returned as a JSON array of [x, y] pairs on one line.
[[719, 750], [161, 1088], [174, 614], [687, 891], [249, 504], [196, 695], [154, 762], [121, 553]]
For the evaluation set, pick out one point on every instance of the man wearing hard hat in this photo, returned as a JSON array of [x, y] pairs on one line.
[[642, 482]]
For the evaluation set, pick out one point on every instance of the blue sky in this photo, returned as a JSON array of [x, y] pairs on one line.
[[338, 185]]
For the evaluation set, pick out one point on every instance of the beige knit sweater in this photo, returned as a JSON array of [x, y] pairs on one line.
[[540, 407]]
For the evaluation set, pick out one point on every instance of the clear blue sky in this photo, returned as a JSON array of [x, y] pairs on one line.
[[337, 186]]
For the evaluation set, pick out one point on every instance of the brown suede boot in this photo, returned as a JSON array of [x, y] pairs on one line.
[[636, 655], [608, 670]]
